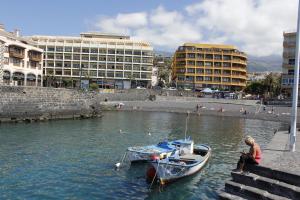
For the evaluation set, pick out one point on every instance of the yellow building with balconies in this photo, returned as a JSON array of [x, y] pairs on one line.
[[197, 66]]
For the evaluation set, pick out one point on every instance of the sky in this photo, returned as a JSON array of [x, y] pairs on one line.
[[254, 26]]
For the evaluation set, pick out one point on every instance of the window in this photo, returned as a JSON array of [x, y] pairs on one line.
[[102, 51], [111, 51], [110, 66], [128, 59], [94, 58], [208, 71], [119, 66], [136, 75], [190, 70], [226, 64], [191, 55], [218, 57], [290, 72], [68, 49], [207, 78], [111, 58], [101, 73], [208, 56], [217, 64], [199, 71], [84, 57], [94, 50], [189, 78], [208, 64], [102, 58], [85, 50], [200, 63], [120, 51], [59, 56], [76, 57], [50, 49], [50, 56], [76, 49], [68, 56], [102, 66], [67, 64], [199, 78], [226, 57], [127, 67], [128, 52], [136, 52], [136, 59], [191, 62], [291, 61], [59, 49], [93, 65], [136, 67], [76, 65], [93, 73]]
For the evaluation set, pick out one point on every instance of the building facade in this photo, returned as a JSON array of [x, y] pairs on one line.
[[111, 61], [288, 62], [198, 66], [20, 61]]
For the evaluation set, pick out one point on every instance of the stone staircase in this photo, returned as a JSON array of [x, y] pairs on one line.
[[261, 182]]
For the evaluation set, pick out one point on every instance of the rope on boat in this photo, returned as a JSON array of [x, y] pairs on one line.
[[123, 158], [154, 176]]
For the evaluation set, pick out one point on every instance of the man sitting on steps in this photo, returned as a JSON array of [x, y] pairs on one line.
[[253, 157]]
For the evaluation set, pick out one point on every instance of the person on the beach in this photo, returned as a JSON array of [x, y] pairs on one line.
[[253, 157]]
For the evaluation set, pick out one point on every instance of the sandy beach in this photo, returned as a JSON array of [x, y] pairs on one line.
[[221, 107]]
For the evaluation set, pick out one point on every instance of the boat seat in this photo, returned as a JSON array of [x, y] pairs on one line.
[[191, 157]]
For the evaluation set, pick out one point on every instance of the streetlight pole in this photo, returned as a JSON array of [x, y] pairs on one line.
[[293, 131]]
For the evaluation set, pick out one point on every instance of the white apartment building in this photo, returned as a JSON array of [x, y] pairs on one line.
[[20, 61], [288, 65], [111, 61]]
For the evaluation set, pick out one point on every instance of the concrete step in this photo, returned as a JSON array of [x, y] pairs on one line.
[[287, 177], [226, 196], [249, 192], [270, 185]]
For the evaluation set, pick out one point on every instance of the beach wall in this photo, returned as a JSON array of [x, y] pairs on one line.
[[38, 103]]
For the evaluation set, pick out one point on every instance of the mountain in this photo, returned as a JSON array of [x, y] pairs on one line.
[[270, 63], [163, 53]]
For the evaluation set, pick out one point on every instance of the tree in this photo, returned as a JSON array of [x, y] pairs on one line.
[[256, 88], [272, 83], [269, 87]]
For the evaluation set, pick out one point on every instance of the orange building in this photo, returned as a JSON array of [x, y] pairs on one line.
[[197, 66]]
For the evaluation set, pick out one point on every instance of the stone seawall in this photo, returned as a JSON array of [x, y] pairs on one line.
[[37, 103]]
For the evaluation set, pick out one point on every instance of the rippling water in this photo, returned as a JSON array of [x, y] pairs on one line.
[[74, 159]]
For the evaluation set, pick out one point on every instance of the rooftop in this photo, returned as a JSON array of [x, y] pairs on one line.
[[104, 35], [218, 46]]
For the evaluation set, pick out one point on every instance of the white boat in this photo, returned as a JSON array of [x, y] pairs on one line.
[[144, 153], [185, 161]]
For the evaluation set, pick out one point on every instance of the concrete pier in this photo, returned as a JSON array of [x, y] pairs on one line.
[[277, 177]]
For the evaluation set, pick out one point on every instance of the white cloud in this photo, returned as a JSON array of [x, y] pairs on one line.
[[255, 26]]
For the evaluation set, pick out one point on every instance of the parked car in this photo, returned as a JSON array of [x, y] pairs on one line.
[[140, 88]]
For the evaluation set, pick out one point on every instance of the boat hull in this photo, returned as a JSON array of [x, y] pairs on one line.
[[168, 172]]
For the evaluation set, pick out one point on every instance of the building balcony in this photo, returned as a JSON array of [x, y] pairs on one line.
[[35, 56], [16, 52]]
